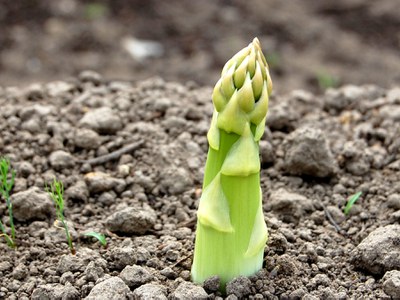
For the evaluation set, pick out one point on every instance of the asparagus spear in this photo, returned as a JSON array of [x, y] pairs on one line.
[[231, 231]]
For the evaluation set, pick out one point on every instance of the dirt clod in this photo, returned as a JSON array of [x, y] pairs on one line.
[[188, 290], [102, 120], [391, 283], [240, 287], [112, 288], [289, 206], [308, 153], [212, 284], [32, 204], [132, 220], [380, 251], [150, 291]]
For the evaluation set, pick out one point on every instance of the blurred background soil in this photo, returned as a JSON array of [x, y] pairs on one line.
[[309, 44]]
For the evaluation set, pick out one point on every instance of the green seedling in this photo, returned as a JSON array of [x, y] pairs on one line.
[[326, 80], [231, 231], [4, 234], [99, 236], [56, 192], [95, 11], [350, 202], [6, 186]]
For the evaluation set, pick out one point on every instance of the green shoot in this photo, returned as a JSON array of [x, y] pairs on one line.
[[99, 236], [350, 202], [95, 11], [6, 186], [4, 234], [231, 230], [56, 192], [326, 80]]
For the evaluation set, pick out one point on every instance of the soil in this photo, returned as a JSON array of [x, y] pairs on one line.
[[144, 191], [310, 45], [130, 145]]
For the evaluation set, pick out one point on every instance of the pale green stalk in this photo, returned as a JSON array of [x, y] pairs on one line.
[[231, 231]]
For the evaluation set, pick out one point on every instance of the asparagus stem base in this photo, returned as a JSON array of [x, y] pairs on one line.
[[234, 247]]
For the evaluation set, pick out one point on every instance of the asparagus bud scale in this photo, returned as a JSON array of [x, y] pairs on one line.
[[231, 230]]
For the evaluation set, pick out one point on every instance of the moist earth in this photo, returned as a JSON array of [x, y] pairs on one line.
[[131, 157]]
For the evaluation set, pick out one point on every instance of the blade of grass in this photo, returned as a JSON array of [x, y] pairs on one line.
[[8, 239], [350, 202], [5, 189], [56, 192], [99, 236]]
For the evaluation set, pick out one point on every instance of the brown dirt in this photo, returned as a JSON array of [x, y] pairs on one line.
[[48, 131], [319, 147], [310, 45]]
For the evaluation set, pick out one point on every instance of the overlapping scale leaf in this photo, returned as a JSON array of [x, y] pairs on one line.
[[245, 81]]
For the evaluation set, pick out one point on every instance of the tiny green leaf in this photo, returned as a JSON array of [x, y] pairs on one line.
[[350, 202], [5, 189], [99, 236], [8, 239], [327, 80], [56, 192], [95, 11]]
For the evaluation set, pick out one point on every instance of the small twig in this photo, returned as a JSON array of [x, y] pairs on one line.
[[112, 234], [189, 223], [330, 219], [182, 260], [113, 155]]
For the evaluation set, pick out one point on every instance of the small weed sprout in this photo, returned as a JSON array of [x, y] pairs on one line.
[[99, 236], [4, 234], [326, 80], [56, 192], [350, 202], [6, 186], [94, 11]]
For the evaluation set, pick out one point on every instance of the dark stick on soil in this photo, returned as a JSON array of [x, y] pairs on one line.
[[113, 155], [330, 218], [182, 260], [189, 223], [112, 234]]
